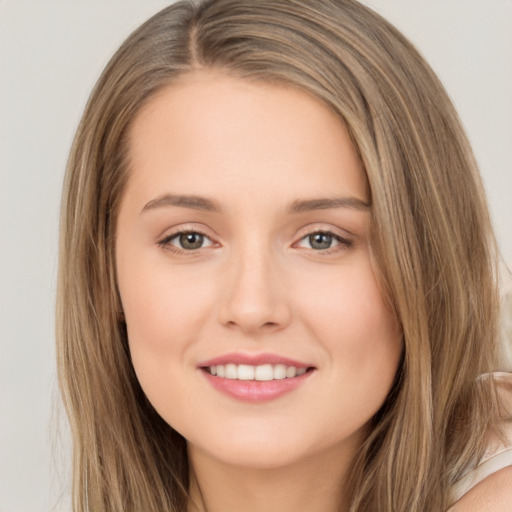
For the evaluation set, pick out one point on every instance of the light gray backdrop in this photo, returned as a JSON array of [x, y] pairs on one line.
[[51, 53]]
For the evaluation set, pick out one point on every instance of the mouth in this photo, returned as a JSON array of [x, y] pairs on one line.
[[263, 372], [255, 378]]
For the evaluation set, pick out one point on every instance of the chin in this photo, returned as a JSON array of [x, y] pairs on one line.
[[258, 457], [257, 449]]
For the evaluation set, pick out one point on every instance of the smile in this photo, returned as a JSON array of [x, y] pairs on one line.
[[255, 378], [264, 372]]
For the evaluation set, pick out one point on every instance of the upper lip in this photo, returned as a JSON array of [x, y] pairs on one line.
[[253, 360]]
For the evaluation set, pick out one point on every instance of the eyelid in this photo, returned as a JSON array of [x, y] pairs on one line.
[[344, 242], [336, 238], [330, 229], [164, 241]]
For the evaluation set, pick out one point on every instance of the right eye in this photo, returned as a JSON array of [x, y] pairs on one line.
[[186, 241]]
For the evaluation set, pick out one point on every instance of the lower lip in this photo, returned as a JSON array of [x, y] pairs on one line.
[[256, 391]]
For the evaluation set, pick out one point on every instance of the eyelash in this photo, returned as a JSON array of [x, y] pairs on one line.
[[166, 242], [341, 245]]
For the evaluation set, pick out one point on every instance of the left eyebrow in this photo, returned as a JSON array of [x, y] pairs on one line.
[[305, 205]]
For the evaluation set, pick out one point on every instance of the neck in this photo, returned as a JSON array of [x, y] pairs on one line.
[[316, 484]]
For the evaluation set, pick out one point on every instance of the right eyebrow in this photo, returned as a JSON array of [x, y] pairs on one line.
[[183, 201]]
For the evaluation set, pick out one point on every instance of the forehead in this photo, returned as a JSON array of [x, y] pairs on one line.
[[208, 127]]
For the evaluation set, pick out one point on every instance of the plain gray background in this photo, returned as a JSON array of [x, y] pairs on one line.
[[51, 53]]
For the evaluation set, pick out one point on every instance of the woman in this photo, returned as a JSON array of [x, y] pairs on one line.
[[270, 295]]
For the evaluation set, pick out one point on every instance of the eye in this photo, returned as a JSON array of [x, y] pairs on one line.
[[186, 241], [322, 241]]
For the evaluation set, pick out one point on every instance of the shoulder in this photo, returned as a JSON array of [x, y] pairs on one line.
[[488, 486], [493, 494]]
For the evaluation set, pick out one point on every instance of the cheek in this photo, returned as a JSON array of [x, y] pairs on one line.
[[164, 315], [349, 317], [348, 303], [160, 305]]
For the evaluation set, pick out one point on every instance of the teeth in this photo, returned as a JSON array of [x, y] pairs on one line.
[[280, 371], [291, 371], [231, 372], [263, 372], [245, 372]]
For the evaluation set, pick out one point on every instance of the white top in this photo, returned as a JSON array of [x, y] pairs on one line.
[[498, 455]]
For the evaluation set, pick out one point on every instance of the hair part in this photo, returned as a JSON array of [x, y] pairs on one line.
[[431, 241]]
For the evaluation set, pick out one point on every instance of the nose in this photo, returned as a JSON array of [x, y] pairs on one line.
[[254, 299]]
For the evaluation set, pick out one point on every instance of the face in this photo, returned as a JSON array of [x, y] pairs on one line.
[[255, 324]]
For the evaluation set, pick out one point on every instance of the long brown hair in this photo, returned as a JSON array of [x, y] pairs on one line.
[[431, 241]]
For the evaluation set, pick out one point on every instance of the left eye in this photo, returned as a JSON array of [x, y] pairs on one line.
[[321, 241], [187, 241]]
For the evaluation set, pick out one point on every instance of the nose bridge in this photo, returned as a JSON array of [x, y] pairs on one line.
[[255, 297]]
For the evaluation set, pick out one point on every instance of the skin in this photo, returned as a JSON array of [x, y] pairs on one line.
[[494, 494], [257, 284]]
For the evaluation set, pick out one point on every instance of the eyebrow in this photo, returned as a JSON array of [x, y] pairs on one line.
[[305, 205], [183, 201], [299, 206]]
